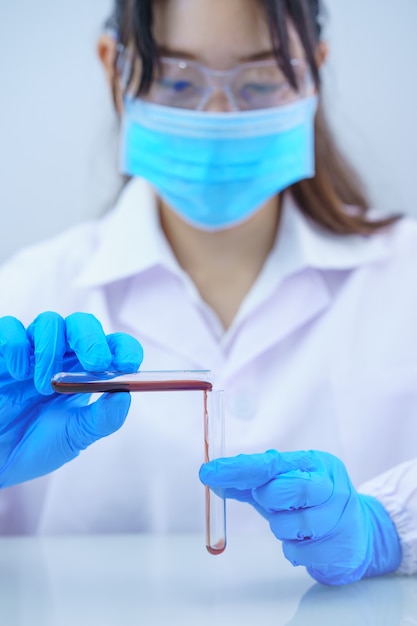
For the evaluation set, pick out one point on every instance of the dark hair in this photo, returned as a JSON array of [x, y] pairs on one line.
[[329, 196]]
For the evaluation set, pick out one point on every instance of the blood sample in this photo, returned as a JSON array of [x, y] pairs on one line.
[[87, 382], [173, 380]]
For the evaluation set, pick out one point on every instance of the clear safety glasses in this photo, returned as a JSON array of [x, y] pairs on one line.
[[190, 85]]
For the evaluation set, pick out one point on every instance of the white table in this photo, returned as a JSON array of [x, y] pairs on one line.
[[126, 580]]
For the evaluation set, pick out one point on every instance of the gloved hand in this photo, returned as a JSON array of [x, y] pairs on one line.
[[39, 429], [313, 508]]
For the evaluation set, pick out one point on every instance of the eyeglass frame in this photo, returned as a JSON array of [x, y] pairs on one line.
[[224, 78]]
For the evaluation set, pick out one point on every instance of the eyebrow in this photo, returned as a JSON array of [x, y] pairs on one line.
[[183, 54], [259, 56]]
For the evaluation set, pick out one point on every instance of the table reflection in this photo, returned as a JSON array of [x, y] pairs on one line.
[[383, 601]]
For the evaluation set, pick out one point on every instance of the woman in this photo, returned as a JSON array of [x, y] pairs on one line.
[[241, 244]]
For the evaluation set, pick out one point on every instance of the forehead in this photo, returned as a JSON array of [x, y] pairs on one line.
[[216, 32]]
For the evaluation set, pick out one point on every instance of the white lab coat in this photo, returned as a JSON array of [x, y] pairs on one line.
[[322, 355]]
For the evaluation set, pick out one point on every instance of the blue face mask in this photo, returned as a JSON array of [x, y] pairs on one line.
[[216, 170]]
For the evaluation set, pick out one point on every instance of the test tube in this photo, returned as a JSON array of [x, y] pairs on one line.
[[214, 448], [169, 380], [143, 380]]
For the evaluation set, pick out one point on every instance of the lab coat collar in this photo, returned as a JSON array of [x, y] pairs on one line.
[[130, 241], [292, 288], [301, 243]]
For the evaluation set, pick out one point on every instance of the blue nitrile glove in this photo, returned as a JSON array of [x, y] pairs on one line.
[[313, 508], [39, 429]]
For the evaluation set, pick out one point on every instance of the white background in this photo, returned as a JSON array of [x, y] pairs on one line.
[[58, 134]]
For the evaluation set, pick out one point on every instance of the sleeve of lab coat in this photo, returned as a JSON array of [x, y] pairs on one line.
[[396, 489]]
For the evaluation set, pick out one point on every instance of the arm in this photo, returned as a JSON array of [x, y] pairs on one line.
[[396, 489]]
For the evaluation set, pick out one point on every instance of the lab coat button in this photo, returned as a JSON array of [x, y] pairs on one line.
[[242, 405]]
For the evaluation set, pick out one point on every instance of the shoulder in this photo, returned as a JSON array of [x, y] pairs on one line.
[[378, 298], [66, 251], [38, 274], [389, 276], [46, 276], [400, 242], [403, 232]]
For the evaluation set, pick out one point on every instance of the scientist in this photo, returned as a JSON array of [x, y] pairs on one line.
[[241, 243]]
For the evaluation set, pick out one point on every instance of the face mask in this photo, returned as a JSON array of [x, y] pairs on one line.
[[216, 170]]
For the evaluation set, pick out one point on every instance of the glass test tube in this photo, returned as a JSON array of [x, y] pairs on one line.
[[169, 380], [143, 380], [214, 448]]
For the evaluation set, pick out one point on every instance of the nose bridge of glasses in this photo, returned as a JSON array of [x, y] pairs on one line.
[[219, 93]]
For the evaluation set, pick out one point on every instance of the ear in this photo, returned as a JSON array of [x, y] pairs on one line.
[[322, 52], [106, 50]]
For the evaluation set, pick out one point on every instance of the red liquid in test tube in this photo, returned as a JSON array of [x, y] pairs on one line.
[[214, 448]]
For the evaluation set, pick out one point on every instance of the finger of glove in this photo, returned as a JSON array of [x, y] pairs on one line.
[[47, 334], [303, 552], [296, 489], [127, 352], [242, 495], [347, 552], [311, 523], [15, 347], [87, 424], [339, 514], [85, 336], [248, 471]]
